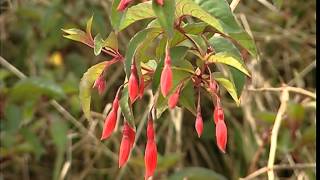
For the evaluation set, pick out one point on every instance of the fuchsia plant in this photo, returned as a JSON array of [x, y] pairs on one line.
[[191, 41]]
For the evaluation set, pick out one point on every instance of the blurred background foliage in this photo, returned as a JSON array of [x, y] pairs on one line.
[[40, 142]]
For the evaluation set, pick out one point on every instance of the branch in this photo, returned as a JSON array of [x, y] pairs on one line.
[[289, 88], [275, 130], [278, 167]]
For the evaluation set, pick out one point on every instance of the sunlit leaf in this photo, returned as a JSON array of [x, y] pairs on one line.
[[77, 35], [228, 85], [87, 82], [228, 59]]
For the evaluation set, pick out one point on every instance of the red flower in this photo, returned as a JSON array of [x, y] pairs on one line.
[[150, 155], [174, 98], [123, 5], [166, 76], [133, 84], [160, 2], [128, 136], [111, 119], [221, 135], [100, 84], [218, 114], [199, 124]]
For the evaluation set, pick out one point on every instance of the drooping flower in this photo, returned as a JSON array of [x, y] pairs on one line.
[[123, 5], [111, 119], [160, 2], [174, 98], [100, 84], [218, 114], [150, 155], [166, 75], [221, 135], [126, 144], [133, 84], [199, 124]]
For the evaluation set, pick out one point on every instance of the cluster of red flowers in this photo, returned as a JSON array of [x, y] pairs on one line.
[[136, 88]]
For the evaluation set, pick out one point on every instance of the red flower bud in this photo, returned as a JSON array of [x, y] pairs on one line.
[[160, 2], [173, 100], [111, 120], [221, 135], [128, 136], [109, 124], [218, 114], [141, 88], [123, 5], [199, 124], [133, 84], [100, 84], [166, 76], [150, 155]]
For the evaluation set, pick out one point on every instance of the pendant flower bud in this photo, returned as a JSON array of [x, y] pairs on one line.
[[199, 124], [218, 114], [160, 2], [221, 135], [100, 84], [123, 5], [174, 98], [166, 76], [133, 84], [128, 136], [111, 119], [150, 156]]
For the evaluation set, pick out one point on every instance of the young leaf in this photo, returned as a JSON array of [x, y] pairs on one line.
[[98, 44], [165, 14], [126, 108], [77, 35], [226, 58], [111, 43], [89, 27], [226, 83], [136, 13], [221, 44], [87, 82], [116, 16]]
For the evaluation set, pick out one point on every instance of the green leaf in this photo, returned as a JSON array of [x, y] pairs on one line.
[[136, 13], [34, 141], [228, 59], [196, 173], [98, 44], [219, 16], [89, 26], [86, 84], [13, 118], [116, 16], [165, 14], [77, 35], [187, 98], [59, 136], [111, 42], [32, 88], [194, 28], [133, 45], [126, 108], [190, 8], [228, 85], [221, 44]]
